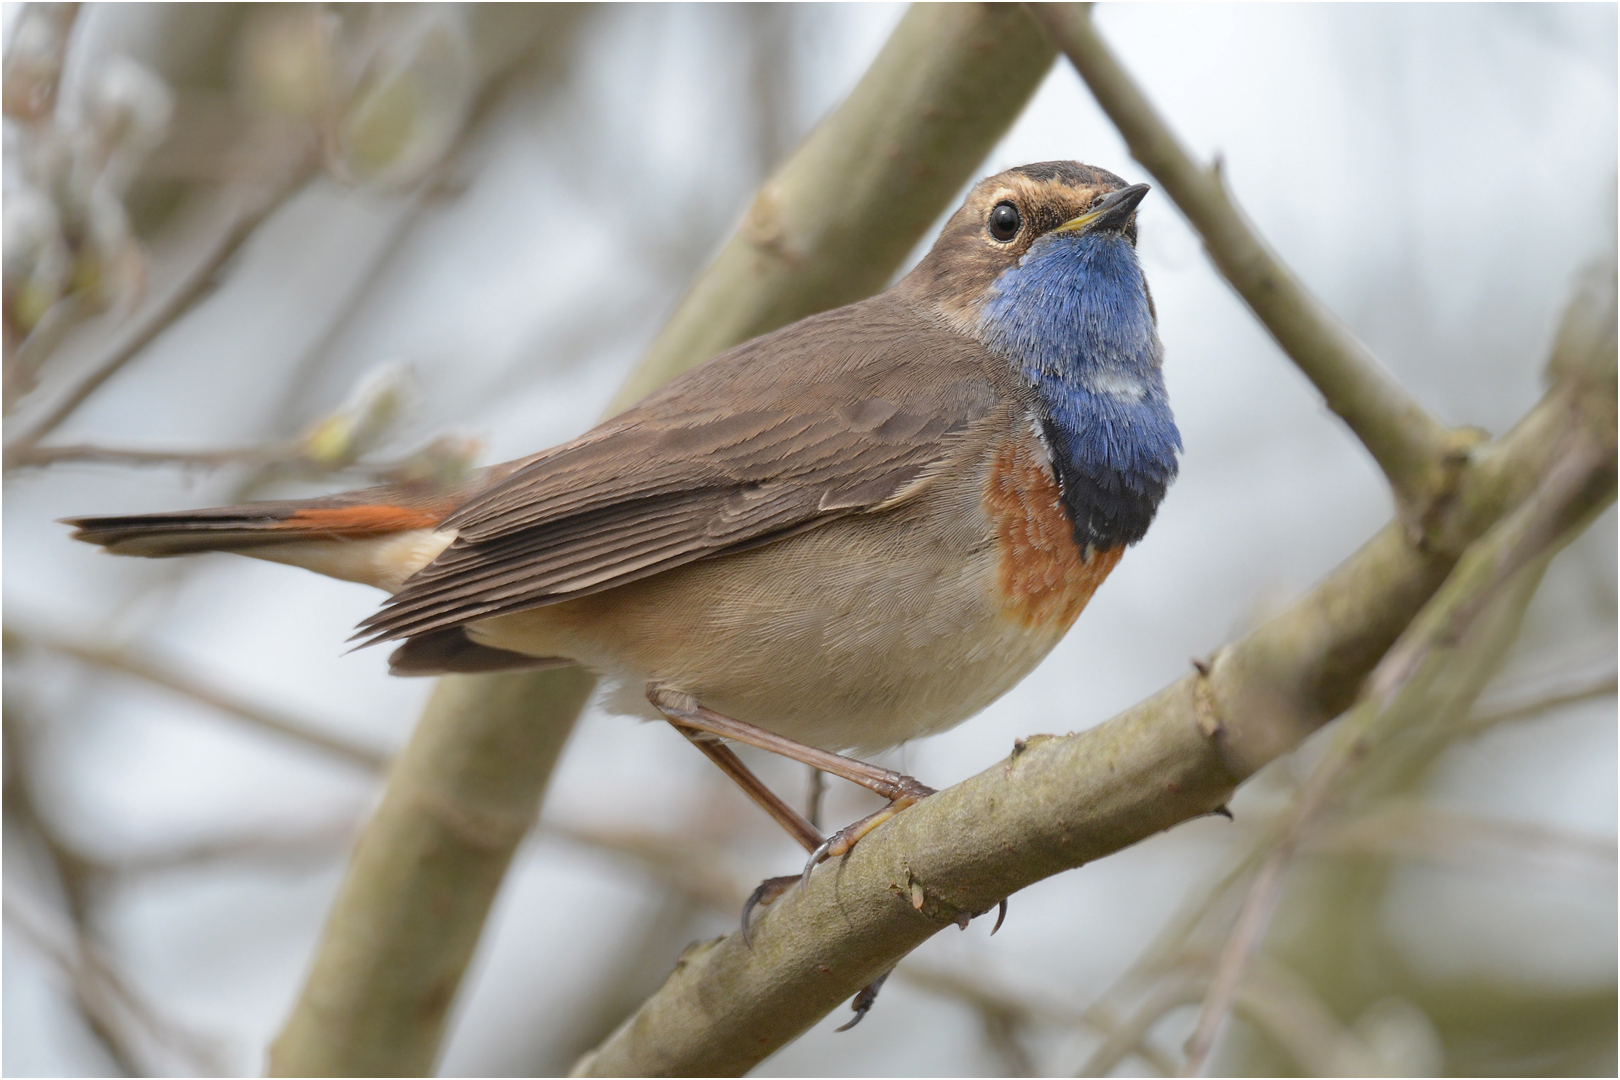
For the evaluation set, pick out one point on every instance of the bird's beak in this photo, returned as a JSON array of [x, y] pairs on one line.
[[1114, 212]]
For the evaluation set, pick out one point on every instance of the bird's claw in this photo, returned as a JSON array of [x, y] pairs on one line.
[[815, 857], [906, 792], [864, 1000], [766, 892]]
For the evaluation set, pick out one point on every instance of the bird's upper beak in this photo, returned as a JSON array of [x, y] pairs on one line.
[[1114, 212]]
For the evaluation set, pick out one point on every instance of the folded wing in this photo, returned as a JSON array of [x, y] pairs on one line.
[[839, 414]]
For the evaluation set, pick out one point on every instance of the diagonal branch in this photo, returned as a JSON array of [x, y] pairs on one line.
[[1410, 445]]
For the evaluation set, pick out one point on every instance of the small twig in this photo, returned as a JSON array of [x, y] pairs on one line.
[[161, 673], [41, 456], [97, 987], [193, 286], [1180, 987], [443, 460], [682, 863], [320, 841], [1003, 1016], [103, 993], [1409, 828], [1601, 686], [1408, 443]]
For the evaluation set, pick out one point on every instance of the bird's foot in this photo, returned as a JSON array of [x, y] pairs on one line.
[[865, 999], [767, 891], [906, 791]]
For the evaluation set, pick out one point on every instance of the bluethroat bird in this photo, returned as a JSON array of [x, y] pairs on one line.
[[856, 530]]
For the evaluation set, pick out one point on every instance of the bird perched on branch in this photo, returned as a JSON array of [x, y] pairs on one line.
[[857, 530]]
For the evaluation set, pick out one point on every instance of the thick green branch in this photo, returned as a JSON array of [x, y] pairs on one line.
[[830, 228], [1058, 803], [1409, 444]]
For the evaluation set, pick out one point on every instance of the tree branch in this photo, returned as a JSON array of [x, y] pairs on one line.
[[829, 228], [1573, 692], [1409, 445]]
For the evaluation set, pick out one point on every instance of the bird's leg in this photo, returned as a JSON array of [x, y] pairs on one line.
[[901, 790], [808, 836], [683, 711]]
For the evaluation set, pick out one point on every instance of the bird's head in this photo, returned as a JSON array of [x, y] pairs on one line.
[[1040, 266], [1033, 208]]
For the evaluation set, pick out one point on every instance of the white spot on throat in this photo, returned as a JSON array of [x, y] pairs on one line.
[[1038, 430], [1116, 384]]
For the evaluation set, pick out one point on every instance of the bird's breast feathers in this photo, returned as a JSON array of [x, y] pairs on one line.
[[1043, 578]]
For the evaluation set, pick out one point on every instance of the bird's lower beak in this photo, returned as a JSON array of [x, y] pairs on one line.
[[1114, 212]]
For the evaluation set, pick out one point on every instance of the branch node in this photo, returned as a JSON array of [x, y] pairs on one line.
[[1426, 517], [763, 227], [1026, 743], [1204, 706]]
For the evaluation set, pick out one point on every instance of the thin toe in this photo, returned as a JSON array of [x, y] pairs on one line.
[[767, 891]]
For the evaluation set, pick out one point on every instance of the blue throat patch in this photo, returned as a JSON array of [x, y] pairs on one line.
[[1073, 316]]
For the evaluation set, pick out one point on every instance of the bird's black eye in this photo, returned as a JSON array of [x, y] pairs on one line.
[[1004, 221]]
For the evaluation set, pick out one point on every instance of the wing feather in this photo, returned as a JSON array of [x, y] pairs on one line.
[[845, 412]]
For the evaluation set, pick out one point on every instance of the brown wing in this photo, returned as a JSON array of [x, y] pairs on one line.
[[831, 416]]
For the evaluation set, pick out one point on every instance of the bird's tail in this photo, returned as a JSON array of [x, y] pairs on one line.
[[379, 536], [240, 528]]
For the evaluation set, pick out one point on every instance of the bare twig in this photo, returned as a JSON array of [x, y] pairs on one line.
[[254, 204], [1412, 829], [682, 863], [107, 998], [102, 996], [1003, 1016], [1574, 692], [1410, 446], [445, 459], [161, 673], [319, 842], [1179, 987], [41, 456]]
